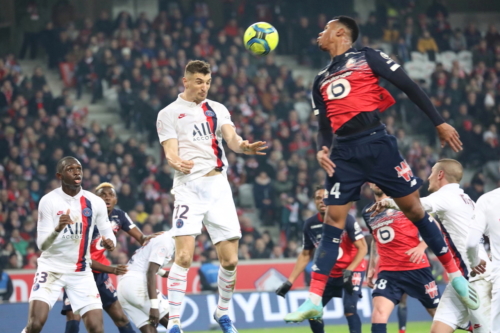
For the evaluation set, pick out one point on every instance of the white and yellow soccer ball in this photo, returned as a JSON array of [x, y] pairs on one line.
[[260, 38]]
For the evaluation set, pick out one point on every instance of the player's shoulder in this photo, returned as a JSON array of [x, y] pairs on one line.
[[350, 221], [93, 198], [51, 197], [312, 221], [170, 109], [216, 106], [489, 196]]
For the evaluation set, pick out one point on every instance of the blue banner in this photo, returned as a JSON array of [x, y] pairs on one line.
[[249, 310]]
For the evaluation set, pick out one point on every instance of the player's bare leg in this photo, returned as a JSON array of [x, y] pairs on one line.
[[93, 321], [37, 316], [324, 260], [72, 322], [431, 234], [227, 251], [177, 280], [382, 309], [115, 311]]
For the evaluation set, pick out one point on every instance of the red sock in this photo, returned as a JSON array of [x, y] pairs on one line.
[[448, 263], [318, 283], [402, 331]]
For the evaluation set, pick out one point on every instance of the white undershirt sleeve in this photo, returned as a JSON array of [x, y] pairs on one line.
[[45, 224], [102, 222]]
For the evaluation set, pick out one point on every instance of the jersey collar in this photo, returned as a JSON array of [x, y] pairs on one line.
[[182, 101], [69, 197], [341, 56], [320, 218]]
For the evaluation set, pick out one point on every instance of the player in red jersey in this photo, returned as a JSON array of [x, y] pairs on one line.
[[348, 99], [347, 274], [403, 266], [119, 221]]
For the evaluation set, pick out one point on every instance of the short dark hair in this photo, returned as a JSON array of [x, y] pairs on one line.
[[197, 66], [62, 163], [350, 24]]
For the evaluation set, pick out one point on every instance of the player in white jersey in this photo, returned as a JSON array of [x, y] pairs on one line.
[[191, 130], [487, 222], [455, 210], [66, 219], [137, 291]]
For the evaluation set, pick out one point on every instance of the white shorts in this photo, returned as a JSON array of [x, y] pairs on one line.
[[134, 299], [495, 304], [80, 287], [208, 200], [452, 312]]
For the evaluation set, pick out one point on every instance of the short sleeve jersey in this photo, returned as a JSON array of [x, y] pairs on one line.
[[394, 235], [349, 85], [198, 129], [159, 249], [313, 229], [70, 250], [119, 221]]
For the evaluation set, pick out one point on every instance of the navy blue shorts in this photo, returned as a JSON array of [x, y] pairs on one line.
[[370, 156], [418, 283], [335, 289], [106, 290]]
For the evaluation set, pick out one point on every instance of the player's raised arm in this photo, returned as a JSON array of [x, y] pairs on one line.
[[385, 67], [104, 226], [238, 145]]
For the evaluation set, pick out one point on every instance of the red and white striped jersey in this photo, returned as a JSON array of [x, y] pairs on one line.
[[70, 250], [198, 129]]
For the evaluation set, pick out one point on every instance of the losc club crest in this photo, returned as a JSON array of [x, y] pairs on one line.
[[179, 223], [87, 212], [209, 113]]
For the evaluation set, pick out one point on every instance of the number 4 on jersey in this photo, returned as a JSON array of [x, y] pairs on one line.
[[335, 191]]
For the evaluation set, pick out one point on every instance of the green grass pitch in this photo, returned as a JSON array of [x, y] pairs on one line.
[[413, 327]]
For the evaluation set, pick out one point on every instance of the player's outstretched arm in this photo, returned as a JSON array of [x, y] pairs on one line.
[[116, 270], [301, 263], [154, 313], [171, 149], [238, 145]]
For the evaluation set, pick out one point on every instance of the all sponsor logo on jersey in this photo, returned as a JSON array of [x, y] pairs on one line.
[[179, 223], [202, 132], [73, 231], [431, 289]]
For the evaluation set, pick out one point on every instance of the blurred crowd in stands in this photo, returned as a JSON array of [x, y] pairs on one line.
[[141, 59]]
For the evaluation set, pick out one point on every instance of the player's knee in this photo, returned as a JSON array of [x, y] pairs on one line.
[[183, 259], [95, 327], [121, 320], [229, 263], [34, 326], [379, 316]]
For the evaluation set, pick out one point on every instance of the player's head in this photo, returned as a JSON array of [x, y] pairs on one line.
[[340, 30], [69, 172], [197, 79], [319, 195], [376, 190], [106, 191], [445, 171]]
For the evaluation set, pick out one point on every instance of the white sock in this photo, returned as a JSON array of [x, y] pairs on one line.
[[315, 298], [454, 275], [225, 281], [176, 284]]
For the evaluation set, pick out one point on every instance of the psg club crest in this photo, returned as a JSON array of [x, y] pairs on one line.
[[209, 113], [87, 212], [179, 223], [36, 286]]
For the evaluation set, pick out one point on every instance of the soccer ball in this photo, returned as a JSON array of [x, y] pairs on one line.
[[260, 38]]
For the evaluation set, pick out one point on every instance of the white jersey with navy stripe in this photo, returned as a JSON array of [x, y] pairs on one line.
[[70, 252], [197, 127]]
